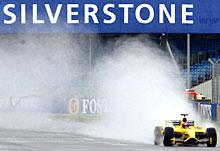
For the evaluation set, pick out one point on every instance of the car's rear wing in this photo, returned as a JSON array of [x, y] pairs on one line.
[[177, 122], [173, 122]]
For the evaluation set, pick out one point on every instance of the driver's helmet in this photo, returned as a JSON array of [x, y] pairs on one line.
[[185, 124]]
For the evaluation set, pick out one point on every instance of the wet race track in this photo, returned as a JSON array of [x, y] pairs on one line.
[[24, 140]]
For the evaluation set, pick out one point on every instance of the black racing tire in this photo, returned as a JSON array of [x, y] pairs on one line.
[[212, 137], [158, 136], [168, 135]]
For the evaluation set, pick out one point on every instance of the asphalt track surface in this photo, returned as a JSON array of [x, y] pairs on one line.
[[25, 140]]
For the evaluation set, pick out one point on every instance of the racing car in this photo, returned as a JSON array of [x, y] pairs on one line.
[[183, 132]]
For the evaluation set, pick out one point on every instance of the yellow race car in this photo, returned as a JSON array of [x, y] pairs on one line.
[[182, 132]]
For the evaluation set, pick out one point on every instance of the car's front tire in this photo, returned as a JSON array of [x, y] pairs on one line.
[[212, 137], [168, 135]]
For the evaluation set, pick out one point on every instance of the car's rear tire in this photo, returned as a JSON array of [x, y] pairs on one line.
[[212, 137], [158, 136], [168, 135]]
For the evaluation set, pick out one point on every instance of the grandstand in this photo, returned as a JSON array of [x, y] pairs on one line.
[[203, 47], [204, 61]]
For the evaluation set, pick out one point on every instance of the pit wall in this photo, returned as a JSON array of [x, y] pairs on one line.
[[86, 106]]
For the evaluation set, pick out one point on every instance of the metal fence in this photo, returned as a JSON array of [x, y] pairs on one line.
[[215, 80]]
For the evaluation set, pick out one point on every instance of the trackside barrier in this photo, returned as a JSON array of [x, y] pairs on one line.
[[25, 104], [208, 110], [87, 106]]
